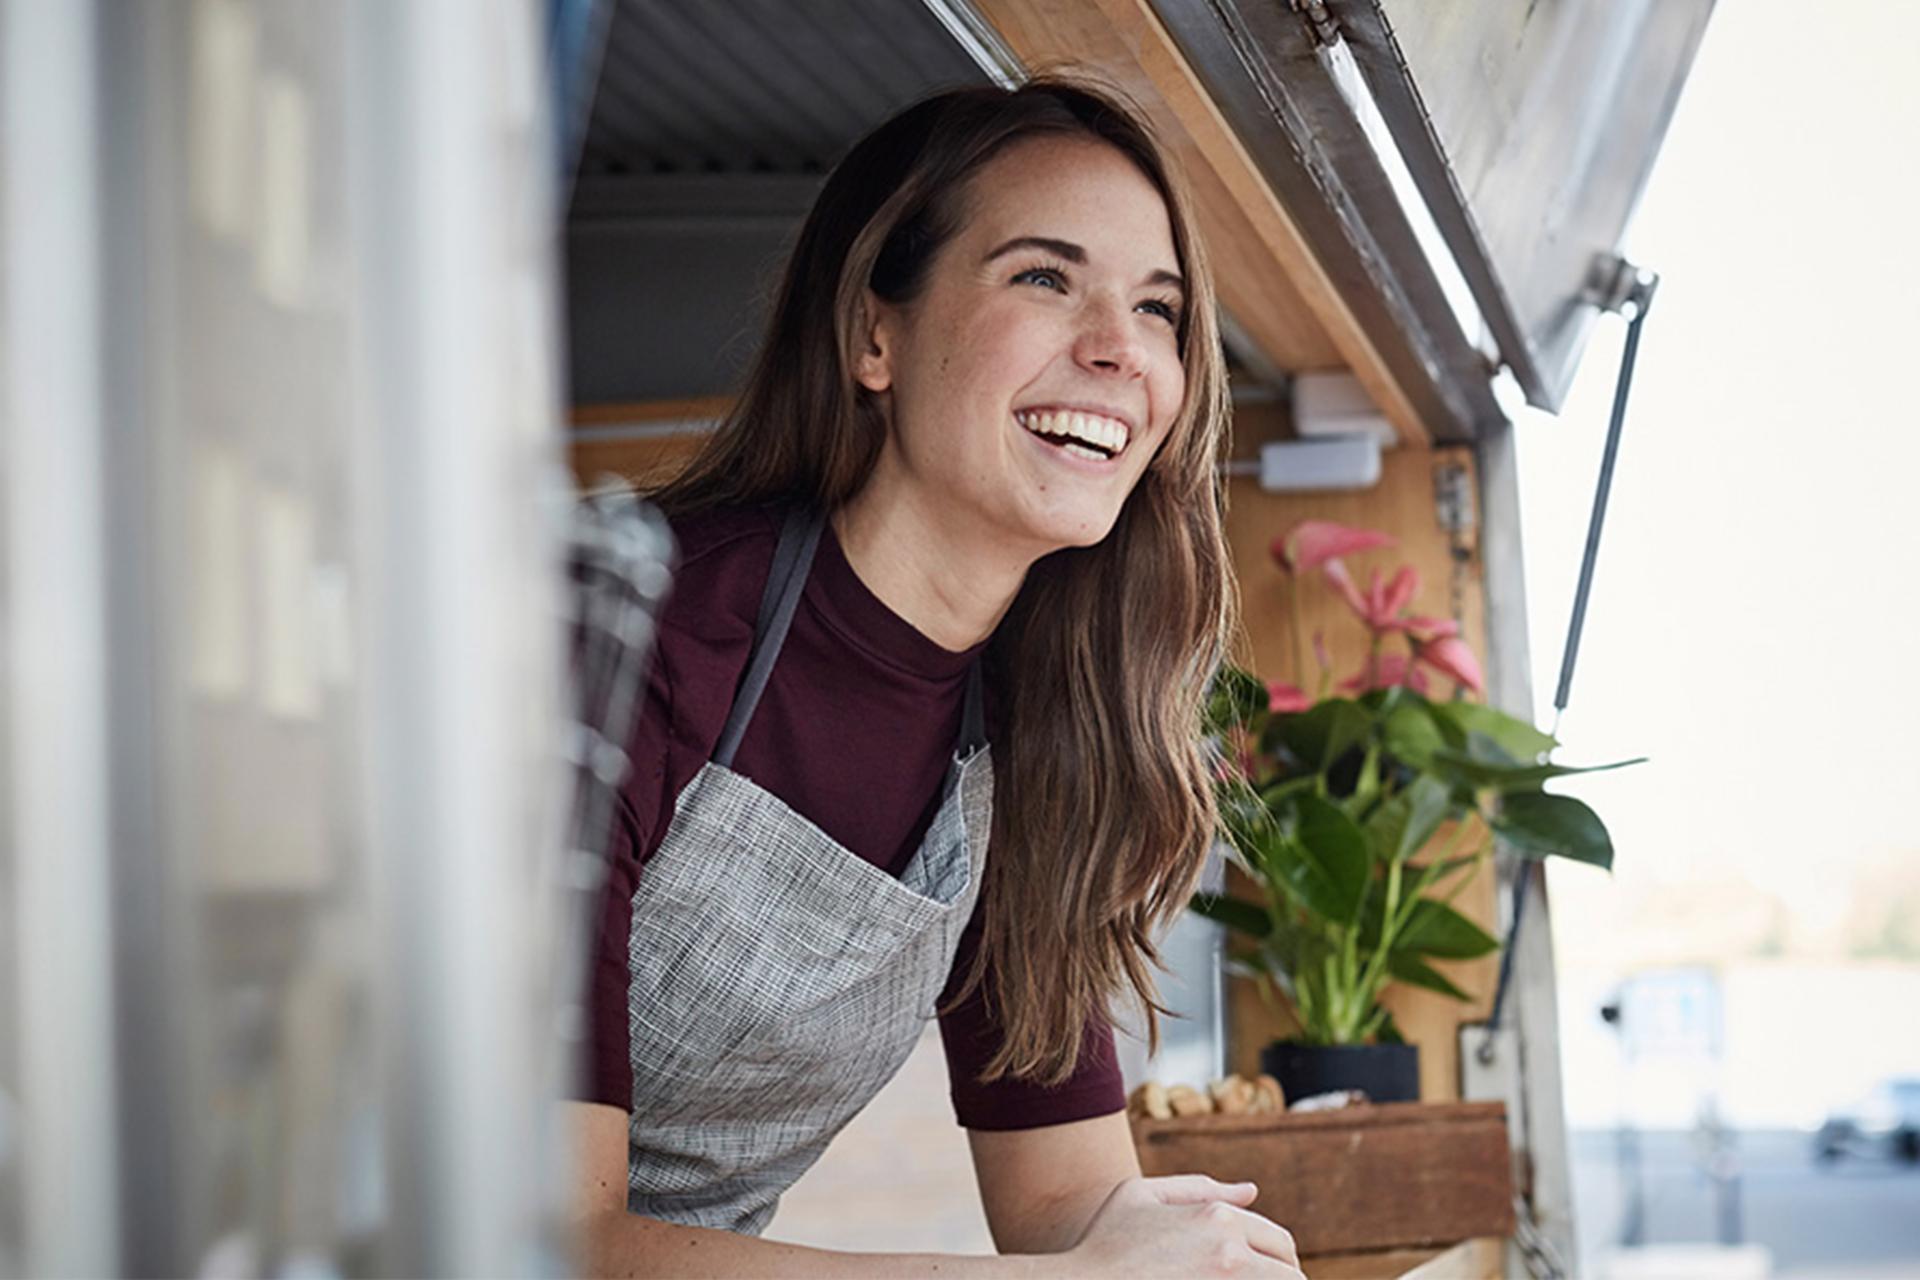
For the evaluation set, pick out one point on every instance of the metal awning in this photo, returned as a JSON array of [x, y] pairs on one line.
[[711, 128], [1531, 130], [1458, 174]]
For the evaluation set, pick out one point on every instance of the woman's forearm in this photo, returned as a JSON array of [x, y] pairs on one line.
[[620, 1244]]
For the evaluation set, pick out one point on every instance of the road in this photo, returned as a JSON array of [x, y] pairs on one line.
[[1855, 1220]]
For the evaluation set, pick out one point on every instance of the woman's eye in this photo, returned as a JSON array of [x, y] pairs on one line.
[[1046, 276], [1165, 310]]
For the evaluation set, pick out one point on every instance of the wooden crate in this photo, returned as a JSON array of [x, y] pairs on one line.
[[1393, 1176]]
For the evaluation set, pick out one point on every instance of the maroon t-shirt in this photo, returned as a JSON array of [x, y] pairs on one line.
[[855, 730]]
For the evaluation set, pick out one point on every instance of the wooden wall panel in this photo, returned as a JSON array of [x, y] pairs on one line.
[[643, 443], [646, 462]]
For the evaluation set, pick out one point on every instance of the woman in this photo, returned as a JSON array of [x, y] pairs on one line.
[[966, 497]]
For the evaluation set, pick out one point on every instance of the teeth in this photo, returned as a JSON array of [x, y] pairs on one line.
[[1091, 428], [1079, 450]]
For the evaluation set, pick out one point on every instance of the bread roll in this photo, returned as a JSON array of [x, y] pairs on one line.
[[1150, 1099], [1232, 1096]]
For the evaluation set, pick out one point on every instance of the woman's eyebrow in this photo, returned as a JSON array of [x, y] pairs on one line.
[[1071, 252], [1059, 248]]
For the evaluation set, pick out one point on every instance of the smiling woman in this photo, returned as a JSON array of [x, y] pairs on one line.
[[922, 734]]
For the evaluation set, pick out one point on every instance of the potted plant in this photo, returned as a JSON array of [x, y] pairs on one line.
[[1360, 813]]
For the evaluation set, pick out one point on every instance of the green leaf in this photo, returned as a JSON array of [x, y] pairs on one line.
[[1255, 833], [1320, 735], [1403, 824], [1276, 794], [1330, 867], [1516, 738], [1486, 750], [1243, 815], [1410, 734], [1235, 913], [1538, 825], [1235, 699], [1436, 929], [1382, 700], [1416, 972], [1441, 870], [1517, 777]]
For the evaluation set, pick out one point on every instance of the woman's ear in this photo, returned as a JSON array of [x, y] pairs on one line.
[[873, 366]]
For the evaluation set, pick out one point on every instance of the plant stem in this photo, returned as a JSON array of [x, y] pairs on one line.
[[1367, 786], [1389, 929], [1350, 973], [1293, 617], [1336, 1005], [1309, 1004], [1399, 911]]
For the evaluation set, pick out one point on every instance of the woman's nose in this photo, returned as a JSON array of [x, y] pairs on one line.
[[1107, 342]]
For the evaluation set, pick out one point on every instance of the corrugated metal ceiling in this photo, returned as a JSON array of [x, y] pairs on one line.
[[757, 86]]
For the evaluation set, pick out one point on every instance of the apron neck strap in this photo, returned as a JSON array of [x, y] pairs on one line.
[[792, 558], [973, 723]]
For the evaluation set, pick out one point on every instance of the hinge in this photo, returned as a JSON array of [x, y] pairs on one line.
[[1320, 22], [1614, 284]]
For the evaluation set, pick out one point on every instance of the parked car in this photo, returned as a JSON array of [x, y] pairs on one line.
[[1885, 1122]]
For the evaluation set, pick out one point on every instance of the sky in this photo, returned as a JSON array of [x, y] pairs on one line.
[[1752, 626]]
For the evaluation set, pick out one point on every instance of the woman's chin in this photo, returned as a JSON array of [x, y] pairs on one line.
[[1062, 530]]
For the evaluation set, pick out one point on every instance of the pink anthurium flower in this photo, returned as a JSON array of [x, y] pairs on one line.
[[1342, 582], [1450, 656], [1424, 629], [1380, 605], [1385, 671], [1312, 543], [1284, 698], [1388, 604]]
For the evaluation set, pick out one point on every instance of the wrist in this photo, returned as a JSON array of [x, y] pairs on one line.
[[1065, 1265]]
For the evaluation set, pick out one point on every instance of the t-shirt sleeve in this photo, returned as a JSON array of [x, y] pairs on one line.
[[606, 1069], [971, 1036], [644, 806]]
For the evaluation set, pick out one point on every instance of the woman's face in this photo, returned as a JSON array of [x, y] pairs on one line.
[[1033, 378]]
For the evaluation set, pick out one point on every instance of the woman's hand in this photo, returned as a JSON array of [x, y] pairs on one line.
[[1183, 1227]]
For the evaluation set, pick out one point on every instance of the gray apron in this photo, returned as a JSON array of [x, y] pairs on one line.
[[777, 979]]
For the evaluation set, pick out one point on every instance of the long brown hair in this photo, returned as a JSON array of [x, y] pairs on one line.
[[1103, 805]]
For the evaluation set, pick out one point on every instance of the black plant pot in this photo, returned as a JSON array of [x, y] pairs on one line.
[[1384, 1072]]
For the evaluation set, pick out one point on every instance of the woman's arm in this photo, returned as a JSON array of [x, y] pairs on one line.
[[1041, 1187], [614, 1242], [1074, 1191], [1177, 1227]]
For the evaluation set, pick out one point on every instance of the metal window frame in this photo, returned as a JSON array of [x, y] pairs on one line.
[[1274, 75]]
